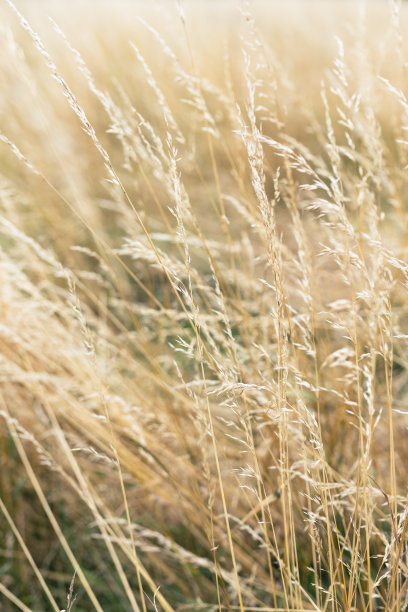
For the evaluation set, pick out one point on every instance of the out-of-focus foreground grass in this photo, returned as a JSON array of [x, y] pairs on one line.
[[204, 307]]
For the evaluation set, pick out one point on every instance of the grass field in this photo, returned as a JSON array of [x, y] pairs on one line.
[[204, 306]]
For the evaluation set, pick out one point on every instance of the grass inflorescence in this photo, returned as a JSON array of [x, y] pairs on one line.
[[203, 334]]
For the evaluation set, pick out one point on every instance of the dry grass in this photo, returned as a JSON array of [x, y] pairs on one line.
[[204, 273]]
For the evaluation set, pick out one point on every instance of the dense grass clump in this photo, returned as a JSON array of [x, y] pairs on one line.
[[204, 306]]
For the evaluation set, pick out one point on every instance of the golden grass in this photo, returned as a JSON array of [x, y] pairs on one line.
[[203, 266]]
